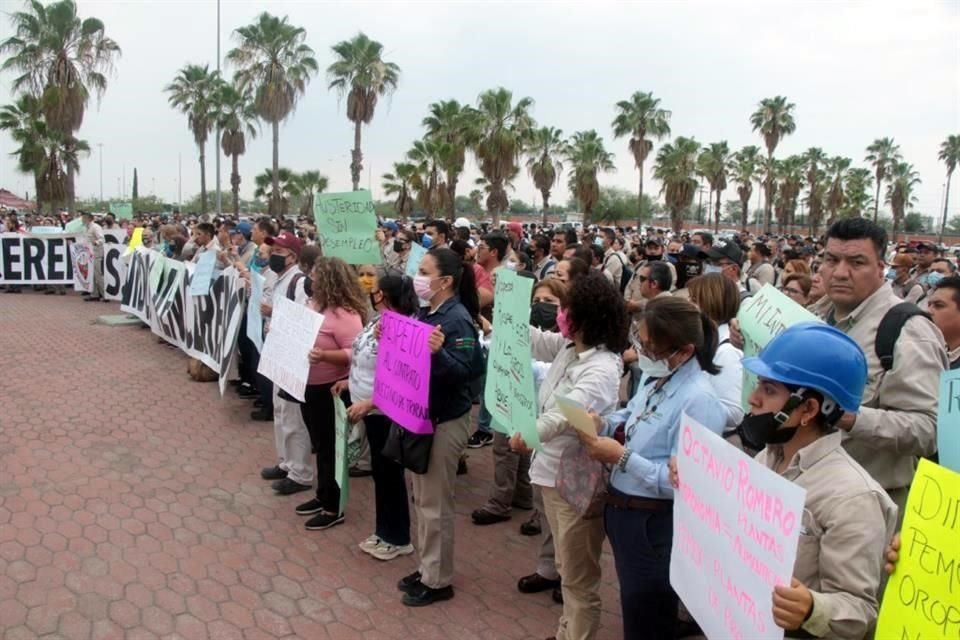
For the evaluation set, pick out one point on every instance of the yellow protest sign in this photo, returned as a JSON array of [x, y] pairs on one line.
[[922, 599], [136, 239]]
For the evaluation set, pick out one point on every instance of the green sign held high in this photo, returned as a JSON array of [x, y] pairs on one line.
[[347, 224], [122, 210]]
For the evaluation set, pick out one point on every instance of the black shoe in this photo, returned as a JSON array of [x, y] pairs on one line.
[[273, 473], [309, 508], [49, 292], [530, 529], [407, 583], [535, 583], [84, 294], [247, 391], [353, 472], [288, 487], [258, 404], [261, 415], [479, 439], [482, 517], [521, 507], [324, 520], [420, 595], [90, 299], [462, 467], [236, 382], [557, 595]]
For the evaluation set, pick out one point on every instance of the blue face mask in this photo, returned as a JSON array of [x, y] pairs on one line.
[[891, 275], [933, 279], [712, 268]]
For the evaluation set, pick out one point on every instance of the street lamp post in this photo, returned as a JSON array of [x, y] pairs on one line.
[[100, 144], [216, 144]]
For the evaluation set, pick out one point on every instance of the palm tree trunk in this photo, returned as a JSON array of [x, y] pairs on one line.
[[545, 194], [356, 165], [639, 202], [275, 194], [203, 180], [716, 214], [451, 196], [37, 184], [744, 213], [235, 184], [767, 204], [71, 194], [946, 202], [876, 203]]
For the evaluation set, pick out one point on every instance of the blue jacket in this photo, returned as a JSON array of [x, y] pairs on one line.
[[456, 365]]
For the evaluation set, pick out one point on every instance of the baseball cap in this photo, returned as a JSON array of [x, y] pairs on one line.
[[516, 227], [654, 242], [728, 250], [392, 226], [285, 240], [461, 223], [244, 228], [690, 251], [921, 245]]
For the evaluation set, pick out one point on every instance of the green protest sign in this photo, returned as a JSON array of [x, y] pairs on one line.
[[157, 268], [347, 224], [509, 393], [761, 317], [341, 466], [74, 226], [122, 210]]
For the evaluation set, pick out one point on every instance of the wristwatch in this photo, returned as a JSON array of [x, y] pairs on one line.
[[624, 459]]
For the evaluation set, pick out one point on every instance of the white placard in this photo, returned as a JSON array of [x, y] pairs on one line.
[[293, 332]]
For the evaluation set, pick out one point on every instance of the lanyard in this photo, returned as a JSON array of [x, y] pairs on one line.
[[647, 409]]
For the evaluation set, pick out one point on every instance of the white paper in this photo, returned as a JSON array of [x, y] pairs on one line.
[[293, 332]]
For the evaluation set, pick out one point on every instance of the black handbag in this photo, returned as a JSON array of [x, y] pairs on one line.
[[409, 450]]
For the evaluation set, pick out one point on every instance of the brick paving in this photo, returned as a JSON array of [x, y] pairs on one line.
[[131, 508]]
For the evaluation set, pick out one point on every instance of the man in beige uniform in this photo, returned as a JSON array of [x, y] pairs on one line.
[[897, 420]]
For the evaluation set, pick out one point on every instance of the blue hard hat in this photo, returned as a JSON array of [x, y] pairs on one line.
[[815, 356]]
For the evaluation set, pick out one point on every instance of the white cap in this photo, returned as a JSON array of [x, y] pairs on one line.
[[461, 223]]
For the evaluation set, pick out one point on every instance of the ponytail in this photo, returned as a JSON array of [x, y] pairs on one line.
[[708, 349], [464, 282]]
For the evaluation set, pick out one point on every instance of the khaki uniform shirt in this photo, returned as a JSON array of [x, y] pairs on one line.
[[910, 291], [898, 415], [847, 522]]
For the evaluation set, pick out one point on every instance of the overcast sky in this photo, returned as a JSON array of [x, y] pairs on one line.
[[856, 71]]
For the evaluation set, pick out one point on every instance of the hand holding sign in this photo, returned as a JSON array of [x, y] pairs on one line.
[[435, 341]]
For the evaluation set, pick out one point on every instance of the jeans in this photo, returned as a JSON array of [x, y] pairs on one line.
[[319, 418], [389, 487], [641, 541]]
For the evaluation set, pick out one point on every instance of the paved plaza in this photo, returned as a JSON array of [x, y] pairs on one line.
[[131, 508]]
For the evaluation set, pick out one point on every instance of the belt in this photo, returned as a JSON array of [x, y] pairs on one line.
[[648, 504]]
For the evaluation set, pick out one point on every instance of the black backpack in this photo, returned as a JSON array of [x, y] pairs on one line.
[[626, 273], [889, 331]]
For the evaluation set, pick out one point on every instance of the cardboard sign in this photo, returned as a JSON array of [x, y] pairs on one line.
[[948, 420], [293, 332], [203, 276], [401, 388], [122, 210], [736, 525], [347, 224], [341, 467], [417, 251]]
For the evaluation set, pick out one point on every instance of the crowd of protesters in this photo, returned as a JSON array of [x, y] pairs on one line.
[[640, 326]]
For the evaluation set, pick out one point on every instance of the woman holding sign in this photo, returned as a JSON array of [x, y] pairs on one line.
[[809, 375], [448, 286]]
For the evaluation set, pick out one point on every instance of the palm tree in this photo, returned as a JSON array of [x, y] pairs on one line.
[[194, 92], [637, 117], [769, 171], [361, 74], [837, 168], [587, 156], [712, 164], [950, 155], [287, 185], [791, 173], [485, 187], [501, 130], [815, 160], [273, 61], [882, 154], [449, 124], [398, 184], [544, 150], [236, 118], [24, 120], [61, 59], [743, 166], [476, 197], [856, 192], [310, 183], [431, 190], [900, 195], [774, 120], [675, 168]]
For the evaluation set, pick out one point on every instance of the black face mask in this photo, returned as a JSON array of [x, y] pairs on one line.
[[675, 257], [278, 263], [693, 269], [543, 316], [757, 431], [398, 246], [652, 256]]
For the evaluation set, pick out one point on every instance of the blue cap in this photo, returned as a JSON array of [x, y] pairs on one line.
[[244, 228], [392, 226]]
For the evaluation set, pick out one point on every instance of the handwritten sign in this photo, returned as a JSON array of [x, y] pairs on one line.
[[157, 269], [254, 318], [293, 332], [74, 226], [417, 251], [508, 393], [762, 317], [347, 223], [922, 598], [948, 420], [203, 275], [341, 466], [122, 210], [735, 530], [401, 387], [82, 255]]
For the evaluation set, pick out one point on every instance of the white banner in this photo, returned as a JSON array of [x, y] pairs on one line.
[[114, 270], [83, 261], [293, 332], [736, 525], [36, 259]]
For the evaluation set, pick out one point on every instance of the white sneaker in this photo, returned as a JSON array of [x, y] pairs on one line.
[[386, 551], [369, 544]]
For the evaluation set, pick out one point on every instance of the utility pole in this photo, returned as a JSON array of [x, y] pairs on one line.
[[216, 142], [123, 193], [179, 182], [100, 144]]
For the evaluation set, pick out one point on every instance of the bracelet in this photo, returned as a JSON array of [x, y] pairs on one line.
[[624, 459]]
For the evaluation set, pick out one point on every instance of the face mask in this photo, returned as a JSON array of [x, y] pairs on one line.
[[308, 286], [693, 269], [397, 246], [652, 256], [675, 257], [933, 279], [890, 275], [712, 268], [421, 285], [563, 324], [543, 315], [261, 262], [654, 368], [278, 263], [758, 431], [366, 283]]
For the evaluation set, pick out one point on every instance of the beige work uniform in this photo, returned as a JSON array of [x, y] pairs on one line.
[[898, 414], [847, 522]]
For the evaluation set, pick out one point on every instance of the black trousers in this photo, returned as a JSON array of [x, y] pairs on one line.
[[389, 486], [317, 411], [249, 358], [641, 541]]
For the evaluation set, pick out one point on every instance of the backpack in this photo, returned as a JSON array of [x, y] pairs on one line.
[[626, 273], [292, 286], [889, 331], [545, 268]]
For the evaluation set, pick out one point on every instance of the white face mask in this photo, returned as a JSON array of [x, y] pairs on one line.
[[654, 368], [712, 268]]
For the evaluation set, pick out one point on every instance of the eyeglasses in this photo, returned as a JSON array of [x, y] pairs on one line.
[[792, 292], [642, 279]]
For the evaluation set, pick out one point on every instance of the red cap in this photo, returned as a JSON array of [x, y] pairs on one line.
[[285, 240], [516, 227]]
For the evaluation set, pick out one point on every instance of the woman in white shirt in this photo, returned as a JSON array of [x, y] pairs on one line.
[[719, 299]]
